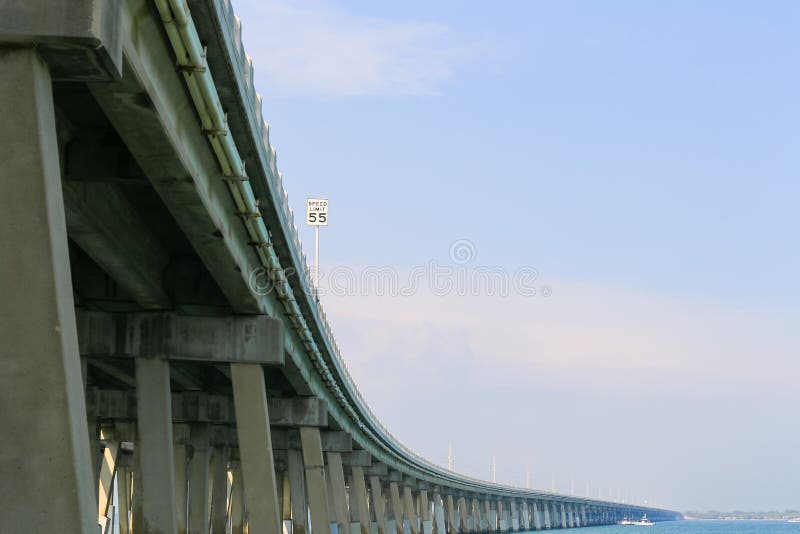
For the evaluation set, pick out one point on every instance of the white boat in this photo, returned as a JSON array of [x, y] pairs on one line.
[[795, 520], [643, 522]]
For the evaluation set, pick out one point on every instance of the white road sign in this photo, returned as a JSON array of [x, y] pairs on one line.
[[317, 212]]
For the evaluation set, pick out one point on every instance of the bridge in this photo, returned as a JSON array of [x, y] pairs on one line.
[[167, 366]]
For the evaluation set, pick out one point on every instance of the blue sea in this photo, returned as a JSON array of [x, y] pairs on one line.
[[700, 527]]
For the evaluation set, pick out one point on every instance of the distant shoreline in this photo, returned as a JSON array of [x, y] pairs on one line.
[[713, 515]]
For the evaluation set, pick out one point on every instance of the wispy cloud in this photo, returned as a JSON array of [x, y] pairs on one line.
[[318, 50], [586, 336]]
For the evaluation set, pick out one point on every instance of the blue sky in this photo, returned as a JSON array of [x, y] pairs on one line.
[[642, 156]]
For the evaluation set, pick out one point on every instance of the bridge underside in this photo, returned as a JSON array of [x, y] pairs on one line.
[[145, 374]]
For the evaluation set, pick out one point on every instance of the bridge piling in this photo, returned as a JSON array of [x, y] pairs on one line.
[[425, 512], [314, 466], [255, 448], [297, 491], [156, 460], [199, 478], [219, 491], [237, 502], [409, 512], [40, 380], [338, 491], [359, 503], [378, 504]]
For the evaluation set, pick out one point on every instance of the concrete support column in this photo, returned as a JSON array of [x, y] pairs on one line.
[[315, 479], [219, 498], [463, 514], [237, 499], [408, 510], [451, 515], [334, 523], [359, 506], [397, 507], [570, 516], [525, 522], [514, 515], [123, 487], [180, 459], [425, 513], [547, 520], [297, 492], [136, 492], [44, 447], [108, 468], [424, 506], [255, 449], [199, 479], [563, 510], [502, 523], [338, 492], [438, 514], [284, 498], [537, 520], [154, 425], [476, 515], [378, 504]]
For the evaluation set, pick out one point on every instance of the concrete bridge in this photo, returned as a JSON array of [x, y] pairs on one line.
[[164, 358]]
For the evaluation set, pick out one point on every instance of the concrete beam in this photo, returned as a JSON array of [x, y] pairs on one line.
[[152, 111], [298, 411], [81, 40], [377, 469], [196, 407], [357, 459], [242, 339], [98, 215], [332, 440]]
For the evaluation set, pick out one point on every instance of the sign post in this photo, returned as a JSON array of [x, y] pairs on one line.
[[316, 215]]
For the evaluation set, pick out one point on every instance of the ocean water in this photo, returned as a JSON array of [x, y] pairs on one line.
[[700, 527]]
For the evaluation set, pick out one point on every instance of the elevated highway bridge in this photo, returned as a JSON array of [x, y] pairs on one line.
[[164, 358]]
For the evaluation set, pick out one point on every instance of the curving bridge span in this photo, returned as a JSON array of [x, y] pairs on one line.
[[166, 367]]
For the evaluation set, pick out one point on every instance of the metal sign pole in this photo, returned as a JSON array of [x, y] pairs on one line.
[[316, 215]]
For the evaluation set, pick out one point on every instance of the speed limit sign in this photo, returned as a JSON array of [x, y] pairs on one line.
[[317, 212]]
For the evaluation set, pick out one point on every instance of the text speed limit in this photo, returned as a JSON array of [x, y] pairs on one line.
[[317, 212]]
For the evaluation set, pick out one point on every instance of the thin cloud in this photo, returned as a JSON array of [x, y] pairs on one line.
[[317, 50], [585, 336]]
